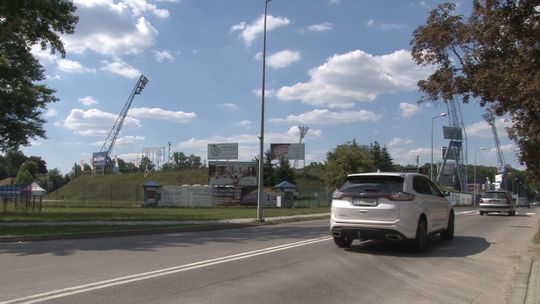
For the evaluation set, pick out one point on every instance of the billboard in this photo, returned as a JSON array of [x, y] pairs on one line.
[[289, 151], [452, 152], [453, 133], [232, 173], [99, 159], [222, 151]]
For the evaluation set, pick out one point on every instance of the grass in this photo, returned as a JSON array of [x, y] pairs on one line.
[[150, 214], [35, 230], [35, 223]]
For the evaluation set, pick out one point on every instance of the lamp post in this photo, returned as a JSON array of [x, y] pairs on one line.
[[431, 165], [474, 175], [261, 137]]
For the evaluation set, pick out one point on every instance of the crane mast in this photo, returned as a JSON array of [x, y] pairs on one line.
[[100, 159], [501, 176]]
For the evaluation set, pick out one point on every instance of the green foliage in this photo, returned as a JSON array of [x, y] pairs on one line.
[[491, 57], [381, 157], [269, 172], [24, 177], [22, 101], [284, 171], [346, 159]]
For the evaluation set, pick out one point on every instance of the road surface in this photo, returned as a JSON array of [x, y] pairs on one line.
[[287, 263]]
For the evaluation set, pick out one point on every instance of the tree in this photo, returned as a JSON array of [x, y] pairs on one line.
[[492, 57], [24, 24], [268, 169], [24, 177], [284, 171], [346, 159], [381, 158]]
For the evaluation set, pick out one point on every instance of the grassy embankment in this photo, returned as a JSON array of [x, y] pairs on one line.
[[118, 197]]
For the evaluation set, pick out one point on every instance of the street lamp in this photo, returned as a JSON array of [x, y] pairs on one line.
[[261, 137], [431, 165], [474, 174]]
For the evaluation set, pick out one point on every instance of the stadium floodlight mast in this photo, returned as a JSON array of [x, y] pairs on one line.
[[431, 164], [260, 191]]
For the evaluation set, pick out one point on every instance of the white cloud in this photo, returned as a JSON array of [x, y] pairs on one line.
[[246, 124], [327, 26], [482, 129], [282, 59], [123, 141], [370, 22], [346, 79], [230, 106], [88, 101], [408, 109], [250, 32], [121, 68], [94, 122], [110, 28], [163, 55], [267, 93], [327, 117], [71, 66], [44, 56], [333, 1], [399, 141], [51, 113], [157, 113]]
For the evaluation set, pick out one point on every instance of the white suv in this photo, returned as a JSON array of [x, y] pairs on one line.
[[392, 206]]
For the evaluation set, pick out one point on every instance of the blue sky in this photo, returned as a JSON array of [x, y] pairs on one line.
[[341, 67]]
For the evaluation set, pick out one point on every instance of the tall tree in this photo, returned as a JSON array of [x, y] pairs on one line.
[[381, 157], [492, 57], [284, 171], [23, 24], [346, 159]]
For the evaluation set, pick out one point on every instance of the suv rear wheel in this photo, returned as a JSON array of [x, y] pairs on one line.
[[420, 241], [342, 241], [448, 234]]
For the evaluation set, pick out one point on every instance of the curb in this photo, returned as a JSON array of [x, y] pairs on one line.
[[526, 283], [195, 226]]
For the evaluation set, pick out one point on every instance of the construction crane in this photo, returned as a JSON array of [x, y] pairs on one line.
[[102, 158], [456, 175], [500, 178]]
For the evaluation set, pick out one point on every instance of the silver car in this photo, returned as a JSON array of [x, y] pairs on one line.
[[497, 201]]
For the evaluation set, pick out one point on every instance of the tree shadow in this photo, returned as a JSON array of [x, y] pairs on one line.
[[153, 242]]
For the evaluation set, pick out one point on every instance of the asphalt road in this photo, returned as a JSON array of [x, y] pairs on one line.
[[288, 263]]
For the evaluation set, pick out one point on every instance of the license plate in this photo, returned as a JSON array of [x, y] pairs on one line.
[[365, 201]]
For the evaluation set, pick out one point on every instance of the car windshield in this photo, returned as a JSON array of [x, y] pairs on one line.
[[495, 195], [373, 184]]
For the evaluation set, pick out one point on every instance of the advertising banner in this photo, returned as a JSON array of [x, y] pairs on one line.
[[232, 173], [289, 151], [222, 151], [99, 159]]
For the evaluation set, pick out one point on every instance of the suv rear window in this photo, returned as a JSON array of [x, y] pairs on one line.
[[495, 195], [373, 184]]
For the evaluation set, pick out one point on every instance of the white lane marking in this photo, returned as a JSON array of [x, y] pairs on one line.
[[467, 212], [157, 273]]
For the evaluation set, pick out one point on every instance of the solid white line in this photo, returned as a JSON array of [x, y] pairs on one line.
[[158, 273], [467, 212]]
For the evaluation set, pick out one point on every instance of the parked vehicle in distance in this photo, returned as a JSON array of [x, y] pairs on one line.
[[523, 202], [392, 206], [497, 201]]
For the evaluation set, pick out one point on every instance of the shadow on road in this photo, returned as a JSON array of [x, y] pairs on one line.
[[460, 246], [153, 242]]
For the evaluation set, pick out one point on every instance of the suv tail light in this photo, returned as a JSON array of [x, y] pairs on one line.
[[401, 196]]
